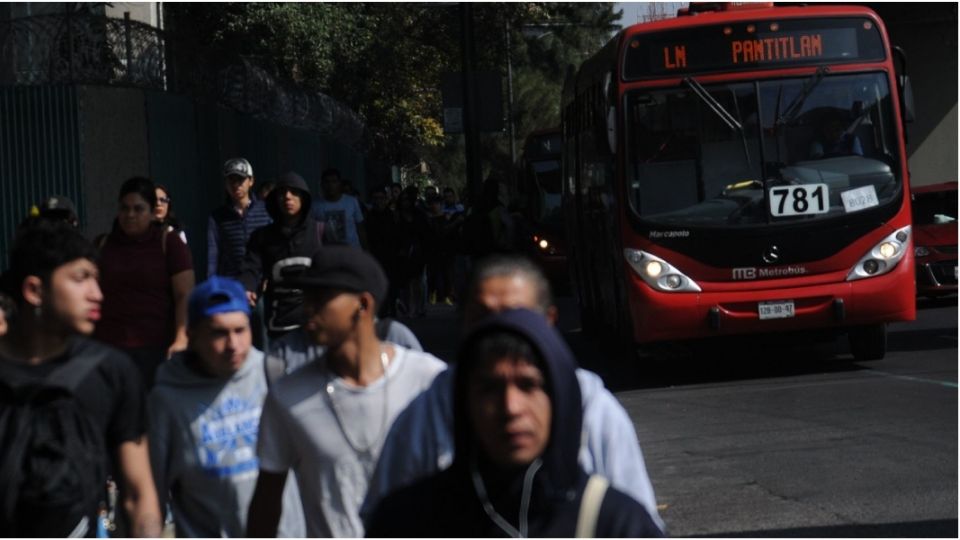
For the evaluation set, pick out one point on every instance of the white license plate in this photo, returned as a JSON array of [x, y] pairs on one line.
[[776, 310]]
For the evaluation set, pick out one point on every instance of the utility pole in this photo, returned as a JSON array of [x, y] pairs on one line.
[[471, 133]]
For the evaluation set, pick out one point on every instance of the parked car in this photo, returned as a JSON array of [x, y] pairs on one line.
[[935, 238]]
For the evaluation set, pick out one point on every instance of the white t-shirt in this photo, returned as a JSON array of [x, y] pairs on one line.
[[299, 430], [340, 219]]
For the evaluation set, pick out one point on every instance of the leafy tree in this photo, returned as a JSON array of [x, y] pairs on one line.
[[386, 61]]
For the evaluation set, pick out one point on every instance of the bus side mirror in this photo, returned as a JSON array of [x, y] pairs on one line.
[[906, 90]]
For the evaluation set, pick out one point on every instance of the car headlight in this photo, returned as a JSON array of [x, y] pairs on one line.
[[921, 251], [658, 273], [883, 257]]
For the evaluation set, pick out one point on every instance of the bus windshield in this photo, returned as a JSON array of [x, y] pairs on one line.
[[761, 153]]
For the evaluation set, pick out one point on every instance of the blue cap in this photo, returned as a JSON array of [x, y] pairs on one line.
[[216, 295]]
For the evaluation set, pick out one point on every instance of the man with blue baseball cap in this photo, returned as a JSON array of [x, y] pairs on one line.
[[204, 420]]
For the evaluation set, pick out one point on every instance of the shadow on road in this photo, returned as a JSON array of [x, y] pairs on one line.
[[938, 528]]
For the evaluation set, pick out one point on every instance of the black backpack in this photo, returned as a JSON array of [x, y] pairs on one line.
[[52, 455]]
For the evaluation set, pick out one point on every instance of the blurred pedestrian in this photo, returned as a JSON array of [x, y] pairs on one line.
[[7, 313], [165, 215], [413, 230], [204, 418], [339, 212], [264, 189], [515, 473], [146, 274], [58, 207], [450, 204], [421, 441], [54, 478], [282, 248], [327, 420], [382, 239]]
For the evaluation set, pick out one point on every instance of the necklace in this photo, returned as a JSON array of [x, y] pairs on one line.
[[368, 449], [525, 495]]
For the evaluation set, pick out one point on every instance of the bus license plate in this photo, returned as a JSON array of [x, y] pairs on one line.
[[776, 310]]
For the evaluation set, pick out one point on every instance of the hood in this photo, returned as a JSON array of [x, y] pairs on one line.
[[561, 470], [291, 180], [176, 373]]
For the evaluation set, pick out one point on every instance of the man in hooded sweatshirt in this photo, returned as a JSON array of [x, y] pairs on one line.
[[279, 250], [204, 417], [517, 430]]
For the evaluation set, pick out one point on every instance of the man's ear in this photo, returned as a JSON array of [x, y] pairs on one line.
[[366, 302], [32, 290]]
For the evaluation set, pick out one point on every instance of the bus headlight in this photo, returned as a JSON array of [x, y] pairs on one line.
[[883, 257], [658, 273]]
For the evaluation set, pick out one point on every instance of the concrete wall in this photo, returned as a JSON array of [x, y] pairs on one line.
[[928, 34], [114, 146]]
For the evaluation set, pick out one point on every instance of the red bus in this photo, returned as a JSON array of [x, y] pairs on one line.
[[741, 169]]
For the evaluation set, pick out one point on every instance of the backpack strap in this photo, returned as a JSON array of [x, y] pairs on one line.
[[593, 496], [67, 377]]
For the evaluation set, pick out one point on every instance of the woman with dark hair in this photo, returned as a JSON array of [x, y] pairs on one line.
[[164, 212], [146, 275]]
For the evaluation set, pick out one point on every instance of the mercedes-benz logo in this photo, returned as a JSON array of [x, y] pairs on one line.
[[771, 255]]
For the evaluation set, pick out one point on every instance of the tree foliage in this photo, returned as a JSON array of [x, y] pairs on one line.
[[386, 60]]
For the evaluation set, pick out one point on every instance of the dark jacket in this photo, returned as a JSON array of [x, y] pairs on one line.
[[448, 505], [228, 233], [278, 250]]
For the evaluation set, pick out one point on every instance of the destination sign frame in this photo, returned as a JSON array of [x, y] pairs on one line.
[[750, 45]]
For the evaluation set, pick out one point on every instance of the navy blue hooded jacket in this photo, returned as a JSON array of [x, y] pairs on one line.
[[278, 250], [447, 504]]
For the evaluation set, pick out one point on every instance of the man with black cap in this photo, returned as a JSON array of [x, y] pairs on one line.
[[279, 250], [59, 208], [327, 420]]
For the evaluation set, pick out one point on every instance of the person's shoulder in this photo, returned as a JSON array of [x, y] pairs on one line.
[[85, 347], [621, 516], [420, 360]]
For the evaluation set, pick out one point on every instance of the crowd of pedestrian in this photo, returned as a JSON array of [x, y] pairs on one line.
[[284, 396]]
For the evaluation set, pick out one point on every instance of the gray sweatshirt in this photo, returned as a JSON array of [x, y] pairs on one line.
[[203, 448]]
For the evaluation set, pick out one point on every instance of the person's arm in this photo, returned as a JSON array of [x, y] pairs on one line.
[[266, 505], [213, 247], [361, 229], [251, 267], [613, 448], [159, 446], [182, 283], [140, 494]]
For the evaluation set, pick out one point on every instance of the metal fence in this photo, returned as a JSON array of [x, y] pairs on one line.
[[81, 48]]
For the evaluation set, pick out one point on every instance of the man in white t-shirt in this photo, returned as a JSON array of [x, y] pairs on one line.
[[340, 213], [327, 420]]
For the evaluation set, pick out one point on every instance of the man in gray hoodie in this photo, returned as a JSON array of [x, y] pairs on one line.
[[204, 420]]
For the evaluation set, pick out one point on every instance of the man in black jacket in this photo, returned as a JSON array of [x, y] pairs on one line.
[[517, 424], [282, 249]]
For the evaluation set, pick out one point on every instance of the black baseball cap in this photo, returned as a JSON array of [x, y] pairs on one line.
[[343, 267]]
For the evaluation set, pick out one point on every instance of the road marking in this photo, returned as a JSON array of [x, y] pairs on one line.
[[914, 379]]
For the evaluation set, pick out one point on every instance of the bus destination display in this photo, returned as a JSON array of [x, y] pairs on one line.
[[751, 46]]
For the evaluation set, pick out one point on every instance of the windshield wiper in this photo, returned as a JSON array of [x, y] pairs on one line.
[[720, 111], [714, 105], [797, 103]]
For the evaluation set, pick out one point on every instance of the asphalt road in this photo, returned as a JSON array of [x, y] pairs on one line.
[[800, 440], [787, 439]]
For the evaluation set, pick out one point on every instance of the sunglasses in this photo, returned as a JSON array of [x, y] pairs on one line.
[[163, 200]]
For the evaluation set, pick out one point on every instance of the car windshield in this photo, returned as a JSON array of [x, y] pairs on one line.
[[761, 153], [935, 207]]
